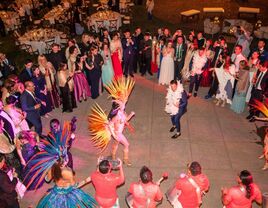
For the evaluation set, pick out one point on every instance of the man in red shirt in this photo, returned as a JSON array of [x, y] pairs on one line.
[[105, 183], [145, 193], [191, 187]]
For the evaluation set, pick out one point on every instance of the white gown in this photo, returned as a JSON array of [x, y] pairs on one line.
[[167, 69]]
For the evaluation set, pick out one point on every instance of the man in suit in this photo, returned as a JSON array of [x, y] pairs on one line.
[[262, 51], [179, 56], [26, 73], [9, 125], [176, 105], [138, 37], [7, 67], [128, 53], [56, 56], [8, 194], [260, 89], [146, 52], [31, 105]]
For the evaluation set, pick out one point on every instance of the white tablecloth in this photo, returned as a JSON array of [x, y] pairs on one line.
[[40, 43], [54, 14], [10, 19], [105, 17]]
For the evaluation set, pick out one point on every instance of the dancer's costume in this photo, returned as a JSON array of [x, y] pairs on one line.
[[56, 197], [102, 128]]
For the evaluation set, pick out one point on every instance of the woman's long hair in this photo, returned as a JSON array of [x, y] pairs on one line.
[[113, 112], [246, 179], [56, 171]]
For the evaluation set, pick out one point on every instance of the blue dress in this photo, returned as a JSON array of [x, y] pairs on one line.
[[107, 69], [239, 102], [67, 197]]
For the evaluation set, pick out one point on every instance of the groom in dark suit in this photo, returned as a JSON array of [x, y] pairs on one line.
[[128, 53], [31, 105], [179, 56]]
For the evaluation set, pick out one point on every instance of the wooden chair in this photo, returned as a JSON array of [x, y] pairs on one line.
[[99, 25]]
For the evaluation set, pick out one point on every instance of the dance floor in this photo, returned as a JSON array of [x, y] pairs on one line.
[[224, 143]]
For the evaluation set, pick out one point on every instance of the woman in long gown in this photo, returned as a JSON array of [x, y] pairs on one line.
[[253, 68], [239, 99], [167, 65], [41, 91], [116, 51], [160, 47], [66, 85], [226, 76], [107, 67], [49, 73], [27, 146], [207, 75], [16, 114], [81, 87]]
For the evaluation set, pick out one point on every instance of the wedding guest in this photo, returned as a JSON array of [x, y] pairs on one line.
[[81, 87], [243, 194], [71, 43], [41, 92], [107, 67], [17, 115], [8, 194], [244, 39], [160, 46], [105, 183], [253, 68], [7, 89], [201, 41], [145, 192], [94, 65], [155, 56], [9, 125], [56, 56], [146, 53], [7, 67], [239, 99], [128, 53], [226, 76], [179, 56], [84, 46], [49, 73], [138, 37], [167, 65], [237, 56], [31, 106], [262, 51], [66, 85], [197, 66], [117, 52], [150, 8], [26, 73], [259, 90], [73, 53]]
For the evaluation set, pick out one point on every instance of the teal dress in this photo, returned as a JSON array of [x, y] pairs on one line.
[[107, 69], [67, 197], [239, 99]]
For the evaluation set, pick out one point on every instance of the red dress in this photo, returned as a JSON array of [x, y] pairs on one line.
[[117, 66]]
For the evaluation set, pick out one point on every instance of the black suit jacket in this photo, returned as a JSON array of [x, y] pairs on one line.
[[183, 103], [27, 105], [264, 83], [8, 194], [25, 76]]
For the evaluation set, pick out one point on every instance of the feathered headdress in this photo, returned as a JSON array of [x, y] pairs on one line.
[[53, 150], [99, 127], [263, 107], [120, 89]]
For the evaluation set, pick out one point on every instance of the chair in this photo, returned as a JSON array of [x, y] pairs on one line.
[[99, 25], [113, 25], [28, 48], [49, 45]]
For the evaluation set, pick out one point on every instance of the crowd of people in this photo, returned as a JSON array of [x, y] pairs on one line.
[[66, 76]]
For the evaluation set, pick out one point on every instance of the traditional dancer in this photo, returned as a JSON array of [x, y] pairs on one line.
[[50, 163], [103, 127]]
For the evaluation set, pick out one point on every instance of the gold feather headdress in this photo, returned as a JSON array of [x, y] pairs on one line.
[[261, 106], [98, 127], [120, 89]]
